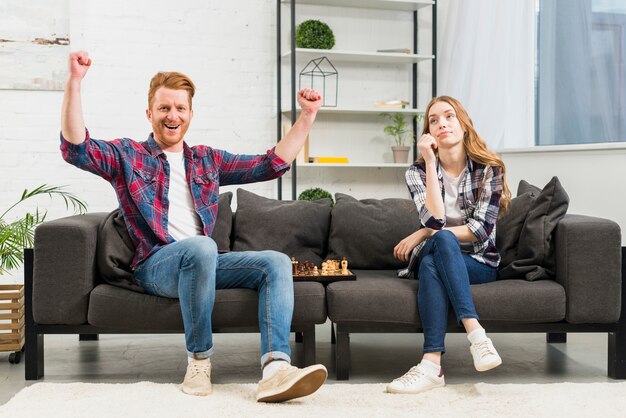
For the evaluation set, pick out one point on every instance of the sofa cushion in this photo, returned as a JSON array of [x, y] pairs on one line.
[[520, 301], [394, 301], [375, 296], [535, 250], [115, 250], [233, 308], [297, 228], [366, 231]]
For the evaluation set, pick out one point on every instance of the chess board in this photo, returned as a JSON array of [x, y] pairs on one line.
[[323, 278]]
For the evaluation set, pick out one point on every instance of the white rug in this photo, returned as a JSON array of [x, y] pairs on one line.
[[348, 400]]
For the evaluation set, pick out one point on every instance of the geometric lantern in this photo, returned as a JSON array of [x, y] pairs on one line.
[[320, 74]]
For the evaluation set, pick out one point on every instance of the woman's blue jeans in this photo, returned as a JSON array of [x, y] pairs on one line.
[[445, 275], [192, 269]]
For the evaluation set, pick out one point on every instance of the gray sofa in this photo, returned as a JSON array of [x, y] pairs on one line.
[[560, 273]]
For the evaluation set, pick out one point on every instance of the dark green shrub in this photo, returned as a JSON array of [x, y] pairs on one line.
[[316, 194], [314, 34]]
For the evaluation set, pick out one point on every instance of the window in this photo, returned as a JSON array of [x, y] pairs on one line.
[[581, 72]]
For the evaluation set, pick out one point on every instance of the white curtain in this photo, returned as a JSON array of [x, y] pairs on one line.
[[581, 71], [486, 59]]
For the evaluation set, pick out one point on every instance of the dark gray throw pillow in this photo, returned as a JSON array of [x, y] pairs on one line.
[[366, 231], [115, 250], [535, 252], [298, 228], [509, 227], [224, 222]]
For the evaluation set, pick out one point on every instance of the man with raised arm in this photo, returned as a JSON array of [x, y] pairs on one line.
[[168, 193]]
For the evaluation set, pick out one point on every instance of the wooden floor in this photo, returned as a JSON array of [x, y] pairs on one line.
[[376, 358]]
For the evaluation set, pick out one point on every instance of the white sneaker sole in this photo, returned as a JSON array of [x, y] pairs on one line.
[[488, 366], [415, 391], [301, 385], [195, 392]]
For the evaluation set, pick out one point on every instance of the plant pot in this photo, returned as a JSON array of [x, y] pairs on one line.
[[400, 154], [12, 315]]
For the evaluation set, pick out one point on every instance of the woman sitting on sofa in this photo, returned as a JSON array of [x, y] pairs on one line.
[[458, 186]]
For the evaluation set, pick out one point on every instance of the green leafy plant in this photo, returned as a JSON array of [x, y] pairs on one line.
[[315, 193], [20, 234], [397, 127], [314, 34]]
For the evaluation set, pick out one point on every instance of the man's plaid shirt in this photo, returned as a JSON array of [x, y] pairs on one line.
[[139, 172], [480, 190]]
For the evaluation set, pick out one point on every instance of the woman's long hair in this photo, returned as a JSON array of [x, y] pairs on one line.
[[475, 146]]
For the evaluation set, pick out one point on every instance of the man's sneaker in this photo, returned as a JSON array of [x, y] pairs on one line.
[[198, 378], [485, 355], [290, 382], [416, 380]]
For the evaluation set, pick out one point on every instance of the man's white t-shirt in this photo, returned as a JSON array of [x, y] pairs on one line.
[[183, 221]]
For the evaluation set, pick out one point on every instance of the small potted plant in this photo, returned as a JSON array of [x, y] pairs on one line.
[[315, 193], [400, 131], [314, 34], [15, 236]]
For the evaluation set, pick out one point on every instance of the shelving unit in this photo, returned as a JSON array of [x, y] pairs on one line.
[[290, 111]]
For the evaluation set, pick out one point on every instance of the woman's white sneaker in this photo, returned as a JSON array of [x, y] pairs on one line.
[[485, 355], [417, 379]]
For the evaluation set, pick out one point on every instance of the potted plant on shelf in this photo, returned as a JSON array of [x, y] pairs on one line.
[[15, 236], [399, 130], [314, 34]]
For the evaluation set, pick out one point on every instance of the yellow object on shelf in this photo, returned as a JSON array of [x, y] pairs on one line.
[[328, 160]]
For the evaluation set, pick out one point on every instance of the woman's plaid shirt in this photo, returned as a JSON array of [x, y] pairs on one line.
[[139, 173], [479, 198]]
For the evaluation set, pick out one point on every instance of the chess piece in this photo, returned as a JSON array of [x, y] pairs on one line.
[[324, 269], [344, 266], [294, 266], [315, 271]]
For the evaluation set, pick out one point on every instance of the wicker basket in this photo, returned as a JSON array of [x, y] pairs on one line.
[[11, 318]]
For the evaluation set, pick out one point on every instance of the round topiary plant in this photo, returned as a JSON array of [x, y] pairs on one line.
[[314, 34], [316, 194]]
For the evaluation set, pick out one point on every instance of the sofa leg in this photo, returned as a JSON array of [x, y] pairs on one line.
[[617, 355], [33, 350], [342, 355], [617, 340], [308, 345], [33, 344], [556, 337], [88, 337]]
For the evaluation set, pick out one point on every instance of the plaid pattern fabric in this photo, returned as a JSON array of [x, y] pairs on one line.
[[139, 172], [479, 198]]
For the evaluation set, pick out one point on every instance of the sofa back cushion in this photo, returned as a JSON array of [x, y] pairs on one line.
[[115, 250], [298, 228], [366, 231], [534, 258]]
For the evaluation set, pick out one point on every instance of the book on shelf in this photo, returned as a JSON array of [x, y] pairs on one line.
[[328, 160], [392, 104], [396, 50]]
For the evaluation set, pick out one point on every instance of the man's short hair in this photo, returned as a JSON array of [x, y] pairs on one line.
[[170, 80]]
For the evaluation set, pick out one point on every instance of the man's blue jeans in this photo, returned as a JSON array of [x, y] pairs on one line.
[[192, 269], [445, 275]]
